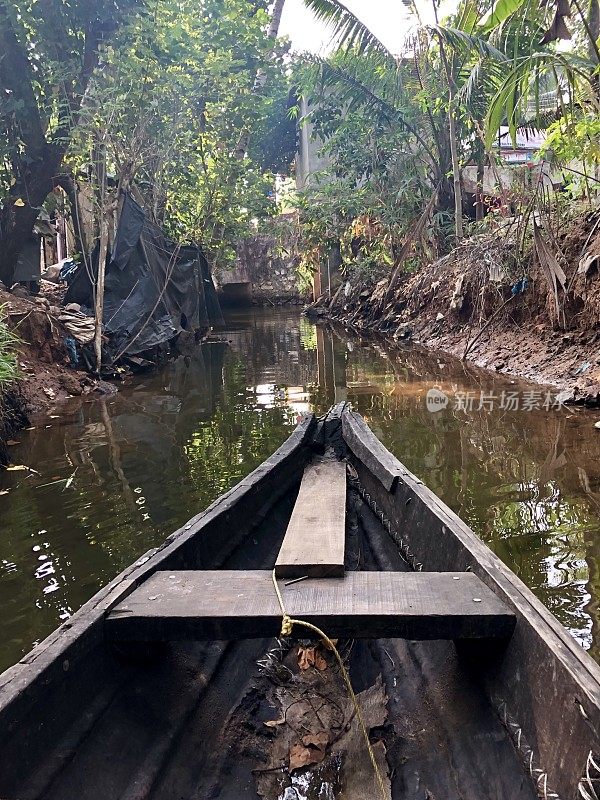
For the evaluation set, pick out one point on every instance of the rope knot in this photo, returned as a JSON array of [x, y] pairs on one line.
[[286, 625]]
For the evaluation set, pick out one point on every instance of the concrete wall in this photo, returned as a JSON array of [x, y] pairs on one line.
[[309, 159], [266, 270]]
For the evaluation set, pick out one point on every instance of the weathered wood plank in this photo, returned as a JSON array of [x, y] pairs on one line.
[[314, 541], [235, 604], [363, 442]]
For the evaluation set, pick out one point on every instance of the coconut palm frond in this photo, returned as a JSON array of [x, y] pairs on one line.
[[480, 79], [536, 85], [353, 93], [462, 41], [347, 27]]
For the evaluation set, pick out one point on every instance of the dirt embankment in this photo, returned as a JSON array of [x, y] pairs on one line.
[[483, 304], [46, 371]]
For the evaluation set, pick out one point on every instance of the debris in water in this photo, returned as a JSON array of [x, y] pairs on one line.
[[70, 479]]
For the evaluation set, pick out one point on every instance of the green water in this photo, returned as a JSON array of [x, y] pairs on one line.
[[146, 459]]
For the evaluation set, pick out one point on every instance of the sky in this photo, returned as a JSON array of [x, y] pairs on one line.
[[388, 19]]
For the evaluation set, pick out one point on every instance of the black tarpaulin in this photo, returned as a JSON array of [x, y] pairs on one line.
[[153, 288]]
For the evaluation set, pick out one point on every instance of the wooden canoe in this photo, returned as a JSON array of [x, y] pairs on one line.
[[505, 705]]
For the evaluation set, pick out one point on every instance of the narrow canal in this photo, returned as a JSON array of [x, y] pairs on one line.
[[116, 475]]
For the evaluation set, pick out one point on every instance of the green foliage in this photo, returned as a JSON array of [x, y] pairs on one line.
[[501, 10], [273, 147], [49, 50], [8, 352], [175, 92], [389, 124], [574, 137], [385, 153]]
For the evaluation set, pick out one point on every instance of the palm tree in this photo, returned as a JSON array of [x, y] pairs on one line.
[[501, 67]]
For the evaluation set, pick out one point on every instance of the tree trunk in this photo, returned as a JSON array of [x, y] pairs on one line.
[[66, 182], [103, 218], [458, 221], [479, 188], [241, 147], [99, 304], [593, 20], [17, 221]]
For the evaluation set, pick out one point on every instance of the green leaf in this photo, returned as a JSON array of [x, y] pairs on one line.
[[501, 10]]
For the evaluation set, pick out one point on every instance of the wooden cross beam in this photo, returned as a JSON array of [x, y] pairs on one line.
[[233, 604]]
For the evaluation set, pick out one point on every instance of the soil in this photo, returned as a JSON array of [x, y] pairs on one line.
[[483, 305], [45, 372]]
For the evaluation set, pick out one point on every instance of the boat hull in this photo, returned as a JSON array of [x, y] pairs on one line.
[[81, 718]]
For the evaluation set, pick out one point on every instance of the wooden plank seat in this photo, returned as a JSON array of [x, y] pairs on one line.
[[315, 538], [232, 604]]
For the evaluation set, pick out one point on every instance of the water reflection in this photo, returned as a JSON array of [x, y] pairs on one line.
[[118, 474]]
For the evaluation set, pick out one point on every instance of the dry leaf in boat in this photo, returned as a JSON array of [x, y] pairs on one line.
[[319, 739], [311, 657], [273, 723], [310, 751]]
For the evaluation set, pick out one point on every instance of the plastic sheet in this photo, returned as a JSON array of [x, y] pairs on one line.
[[154, 289]]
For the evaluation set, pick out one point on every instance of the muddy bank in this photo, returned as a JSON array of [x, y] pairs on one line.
[[537, 318], [46, 374]]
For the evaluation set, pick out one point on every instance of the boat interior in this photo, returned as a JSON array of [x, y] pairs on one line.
[[86, 717]]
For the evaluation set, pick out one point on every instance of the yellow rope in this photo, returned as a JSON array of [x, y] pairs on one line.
[[287, 624]]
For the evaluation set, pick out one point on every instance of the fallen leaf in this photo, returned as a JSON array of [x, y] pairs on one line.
[[4, 491], [320, 661], [319, 740], [311, 751], [311, 657], [12, 442], [21, 467], [49, 392], [273, 723], [19, 203]]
